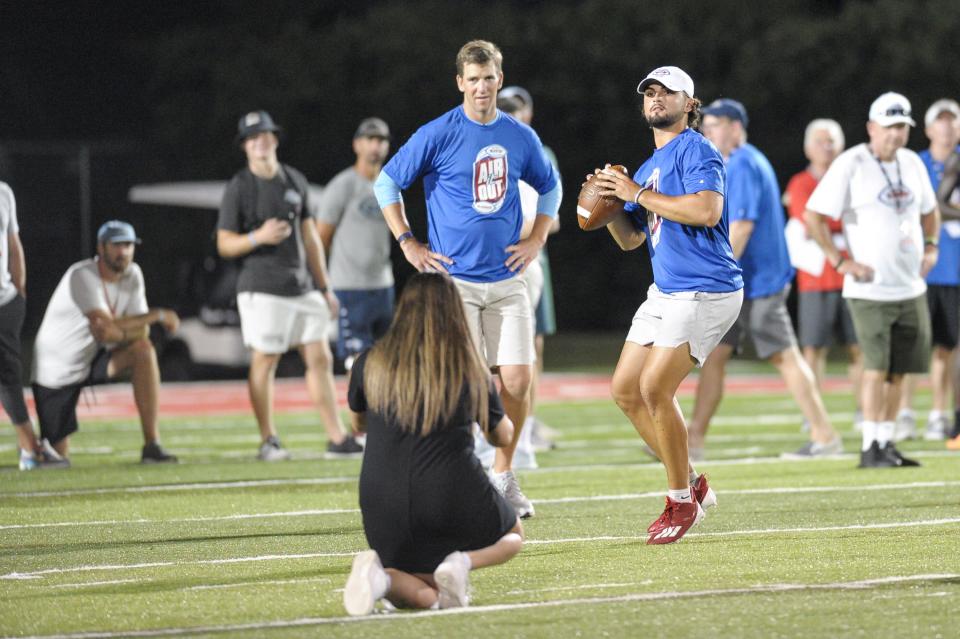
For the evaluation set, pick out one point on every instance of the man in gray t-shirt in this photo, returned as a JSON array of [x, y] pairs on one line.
[[358, 241]]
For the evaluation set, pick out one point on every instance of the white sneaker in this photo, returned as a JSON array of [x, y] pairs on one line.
[[905, 426], [271, 451], [483, 450], [525, 459], [507, 485], [937, 428], [368, 583], [453, 581]]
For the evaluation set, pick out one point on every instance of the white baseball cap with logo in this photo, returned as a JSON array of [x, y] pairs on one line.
[[673, 78], [944, 105], [891, 108]]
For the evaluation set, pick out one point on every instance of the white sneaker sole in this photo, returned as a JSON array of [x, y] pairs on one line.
[[452, 593], [709, 500], [358, 596]]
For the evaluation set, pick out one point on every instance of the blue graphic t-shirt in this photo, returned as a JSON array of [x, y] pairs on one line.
[[687, 258], [470, 173], [947, 270], [754, 195]]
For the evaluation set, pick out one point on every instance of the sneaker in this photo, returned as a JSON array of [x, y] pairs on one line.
[[525, 459], [937, 429], [905, 427], [812, 450], [483, 449], [543, 437], [678, 518], [873, 457], [349, 447], [953, 443], [368, 583], [453, 581], [153, 453], [271, 450], [891, 452], [507, 485], [45, 458], [28, 461]]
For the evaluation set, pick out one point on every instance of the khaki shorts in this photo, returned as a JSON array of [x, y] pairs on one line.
[[894, 336], [274, 324], [767, 321], [694, 317], [500, 319]]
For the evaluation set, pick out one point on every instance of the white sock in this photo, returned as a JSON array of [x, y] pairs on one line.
[[869, 432], [884, 433], [682, 495], [905, 412], [935, 415], [525, 443]]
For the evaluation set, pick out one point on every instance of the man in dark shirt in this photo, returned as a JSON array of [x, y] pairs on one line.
[[265, 220]]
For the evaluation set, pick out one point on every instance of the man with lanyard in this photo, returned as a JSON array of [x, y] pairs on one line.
[[96, 330], [471, 159], [882, 193]]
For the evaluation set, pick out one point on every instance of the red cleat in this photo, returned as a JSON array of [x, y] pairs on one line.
[[678, 518], [703, 493]]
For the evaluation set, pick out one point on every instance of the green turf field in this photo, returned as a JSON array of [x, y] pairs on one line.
[[222, 545]]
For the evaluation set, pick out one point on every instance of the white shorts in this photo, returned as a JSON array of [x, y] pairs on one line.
[[500, 319], [274, 324], [694, 317], [533, 276]]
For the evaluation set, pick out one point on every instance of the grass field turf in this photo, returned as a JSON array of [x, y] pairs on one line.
[[224, 546]]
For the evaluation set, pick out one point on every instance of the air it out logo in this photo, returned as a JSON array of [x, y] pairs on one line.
[[490, 179]]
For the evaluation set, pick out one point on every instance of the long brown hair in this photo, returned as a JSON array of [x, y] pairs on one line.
[[417, 373]]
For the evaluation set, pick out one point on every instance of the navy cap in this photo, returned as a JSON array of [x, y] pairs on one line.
[[253, 123], [728, 108], [117, 232]]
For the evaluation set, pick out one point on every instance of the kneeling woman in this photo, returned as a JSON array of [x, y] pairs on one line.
[[429, 512]]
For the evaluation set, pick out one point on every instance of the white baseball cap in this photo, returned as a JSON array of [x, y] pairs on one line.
[[673, 78], [944, 105], [891, 108]]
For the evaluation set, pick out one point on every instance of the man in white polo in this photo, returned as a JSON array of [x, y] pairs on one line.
[[96, 330], [282, 290], [882, 194]]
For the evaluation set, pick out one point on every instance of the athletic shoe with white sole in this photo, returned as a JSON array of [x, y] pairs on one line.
[[701, 491], [676, 520], [453, 581], [813, 450], [349, 447], [905, 427], [937, 429], [507, 485], [272, 451], [45, 458], [368, 583]]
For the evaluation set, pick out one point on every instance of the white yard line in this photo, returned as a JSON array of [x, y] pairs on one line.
[[773, 490], [861, 584], [159, 488], [38, 574]]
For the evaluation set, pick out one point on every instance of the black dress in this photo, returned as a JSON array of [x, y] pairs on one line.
[[425, 497]]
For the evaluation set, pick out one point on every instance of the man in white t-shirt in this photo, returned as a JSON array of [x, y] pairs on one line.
[[96, 330], [13, 305], [882, 194]]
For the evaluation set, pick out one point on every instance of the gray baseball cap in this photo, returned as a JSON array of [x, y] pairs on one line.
[[117, 232], [373, 128]]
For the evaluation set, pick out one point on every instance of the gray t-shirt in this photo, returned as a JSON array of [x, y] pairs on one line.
[[360, 253], [247, 203], [8, 225]]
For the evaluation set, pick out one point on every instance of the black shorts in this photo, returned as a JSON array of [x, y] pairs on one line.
[[11, 321], [57, 407], [944, 305]]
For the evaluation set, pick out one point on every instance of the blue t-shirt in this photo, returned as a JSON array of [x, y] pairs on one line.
[[947, 270], [686, 258], [470, 173], [754, 195]]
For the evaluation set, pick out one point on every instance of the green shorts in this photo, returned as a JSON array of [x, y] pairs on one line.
[[894, 336]]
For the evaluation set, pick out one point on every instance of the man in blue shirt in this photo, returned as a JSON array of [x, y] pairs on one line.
[[943, 284], [676, 200], [470, 160], [756, 234]]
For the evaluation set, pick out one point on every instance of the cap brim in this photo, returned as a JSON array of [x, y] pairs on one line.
[[239, 139], [895, 119]]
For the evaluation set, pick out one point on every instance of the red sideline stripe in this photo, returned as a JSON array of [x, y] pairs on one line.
[[226, 398]]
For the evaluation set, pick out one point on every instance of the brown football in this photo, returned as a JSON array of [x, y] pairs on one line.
[[593, 211]]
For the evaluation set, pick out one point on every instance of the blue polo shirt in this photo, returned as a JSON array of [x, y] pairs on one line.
[[686, 258], [754, 195], [947, 270], [470, 173]]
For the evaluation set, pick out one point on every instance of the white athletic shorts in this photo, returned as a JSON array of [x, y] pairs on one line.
[[534, 279], [695, 317], [274, 324], [500, 319]]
